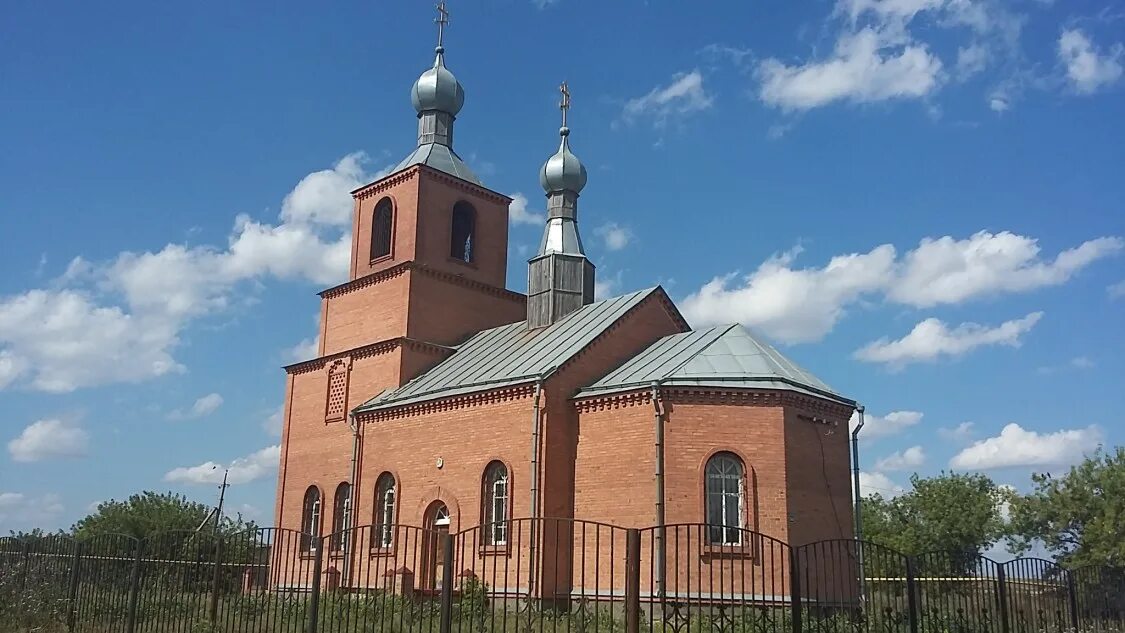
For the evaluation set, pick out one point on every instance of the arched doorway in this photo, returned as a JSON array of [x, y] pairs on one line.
[[437, 529]]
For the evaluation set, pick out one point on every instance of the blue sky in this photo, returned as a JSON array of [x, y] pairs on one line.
[[919, 200]]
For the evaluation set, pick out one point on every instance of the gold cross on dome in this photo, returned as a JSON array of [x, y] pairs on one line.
[[442, 20], [564, 105]]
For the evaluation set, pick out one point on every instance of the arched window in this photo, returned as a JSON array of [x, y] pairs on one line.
[[383, 536], [381, 222], [310, 519], [341, 513], [463, 235], [495, 498], [725, 499]]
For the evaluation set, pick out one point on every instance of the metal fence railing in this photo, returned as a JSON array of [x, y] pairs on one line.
[[534, 575]]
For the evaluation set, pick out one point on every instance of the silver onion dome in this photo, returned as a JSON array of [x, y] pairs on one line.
[[437, 89], [563, 171]]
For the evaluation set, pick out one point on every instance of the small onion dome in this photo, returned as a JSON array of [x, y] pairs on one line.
[[563, 171], [437, 89]]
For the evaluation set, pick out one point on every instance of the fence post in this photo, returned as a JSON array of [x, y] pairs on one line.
[[632, 580], [795, 590], [72, 590], [1002, 596], [134, 589], [1072, 598], [214, 611], [25, 565], [446, 583], [314, 603], [911, 595]]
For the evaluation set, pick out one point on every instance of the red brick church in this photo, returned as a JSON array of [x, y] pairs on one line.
[[442, 399]]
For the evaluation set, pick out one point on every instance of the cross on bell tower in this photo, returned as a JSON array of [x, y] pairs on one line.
[[564, 104], [441, 20]]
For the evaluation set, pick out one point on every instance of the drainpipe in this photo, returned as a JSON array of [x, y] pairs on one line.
[[349, 514], [855, 474], [536, 423], [658, 422], [858, 504]]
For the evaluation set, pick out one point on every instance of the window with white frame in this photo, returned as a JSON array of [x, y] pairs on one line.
[[725, 481], [310, 519], [496, 504], [384, 510]]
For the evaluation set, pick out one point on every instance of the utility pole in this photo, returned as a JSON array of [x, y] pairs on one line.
[[219, 510]]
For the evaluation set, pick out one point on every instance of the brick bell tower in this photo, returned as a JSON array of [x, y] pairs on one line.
[[428, 269]]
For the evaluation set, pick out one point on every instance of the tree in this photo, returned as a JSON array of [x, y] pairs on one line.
[[1080, 517], [950, 513], [147, 513]]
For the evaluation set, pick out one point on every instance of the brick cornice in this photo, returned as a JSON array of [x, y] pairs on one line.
[[413, 266], [366, 351], [715, 395], [463, 185], [385, 183], [462, 401], [503, 293], [366, 280]]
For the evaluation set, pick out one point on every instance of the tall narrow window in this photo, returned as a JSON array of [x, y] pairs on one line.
[[495, 499], [463, 235], [725, 499], [382, 221], [341, 511], [310, 520], [383, 535], [337, 399]]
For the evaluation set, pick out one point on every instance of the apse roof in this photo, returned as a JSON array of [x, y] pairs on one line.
[[725, 356], [510, 354], [440, 157]]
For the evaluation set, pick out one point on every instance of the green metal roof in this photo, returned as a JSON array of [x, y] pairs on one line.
[[510, 354], [725, 356]]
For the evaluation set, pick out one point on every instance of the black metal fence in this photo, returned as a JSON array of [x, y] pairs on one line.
[[534, 575]]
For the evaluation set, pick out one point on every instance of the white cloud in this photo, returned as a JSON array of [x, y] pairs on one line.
[[796, 305], [1087, 67], [324, 197], [971, 60], [272, 424], [1078, 362], [864, 68], [615, 236], [788, 304], [997, 103], [931, 339], [62, 340], [307, 349], [1117, 290], [946, 270], [912, 457], [121, 321], [1016, 446], [960, 433], [684, 95], [871, 483], [606, 285], [518, 213], [205, 405], [893, 423], [242, 470], [20, 511], [49, 439]]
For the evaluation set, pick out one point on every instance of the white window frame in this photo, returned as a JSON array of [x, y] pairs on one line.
[[730, 535]]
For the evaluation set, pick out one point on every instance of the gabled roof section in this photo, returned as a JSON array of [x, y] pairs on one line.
[[441, 158], [725, 356], [511, 354]]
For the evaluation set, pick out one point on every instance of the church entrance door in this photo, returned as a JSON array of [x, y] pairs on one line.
[[438, 526]]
